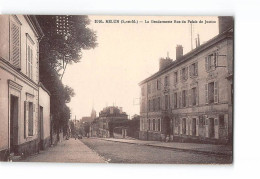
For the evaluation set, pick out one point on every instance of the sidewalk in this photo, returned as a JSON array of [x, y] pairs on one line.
[[67, 151], [190, 147]]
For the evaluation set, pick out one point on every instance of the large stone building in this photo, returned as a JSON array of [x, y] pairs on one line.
[[24, 103], [191, 98], [108, 119]]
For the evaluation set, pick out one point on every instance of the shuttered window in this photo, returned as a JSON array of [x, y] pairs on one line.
[[175, 100], [193, 70], [15, 40], [211, 92], [211, 61]]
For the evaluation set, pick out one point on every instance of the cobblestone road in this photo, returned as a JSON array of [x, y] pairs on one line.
[[116, 152]]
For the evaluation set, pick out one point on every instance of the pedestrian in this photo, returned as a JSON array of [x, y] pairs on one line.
[[75, 136]]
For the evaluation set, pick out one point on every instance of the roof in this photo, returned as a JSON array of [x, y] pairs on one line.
[[44, 88], [87, 119], [226, 34], [36, 25]]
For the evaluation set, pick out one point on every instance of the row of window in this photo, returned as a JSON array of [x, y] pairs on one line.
[[184, 98], [152, 124], [182, 75], [185, 126]]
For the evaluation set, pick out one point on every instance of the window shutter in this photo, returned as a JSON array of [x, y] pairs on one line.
[[215, 60], [15, 45], [206, 94], [181, 123], [186, 75], [187, 98], [196, 69], [187, 126], [197, 127], [206, 128], [215, 92], [190, 126], [26, 119], [190, 67], [206, 64], [31, 63], [180, 100], [30, 121]]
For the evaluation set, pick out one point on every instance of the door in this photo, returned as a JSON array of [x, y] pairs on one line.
[[13, 122], [211, 128]]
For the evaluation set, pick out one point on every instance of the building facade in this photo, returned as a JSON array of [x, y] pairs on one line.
[[191, 98], [109, 118], [19, 84]]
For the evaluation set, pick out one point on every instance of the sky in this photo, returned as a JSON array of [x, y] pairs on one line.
[[127, 53]]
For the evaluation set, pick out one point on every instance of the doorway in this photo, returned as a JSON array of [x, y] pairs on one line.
[[211, 128], [13, 122]]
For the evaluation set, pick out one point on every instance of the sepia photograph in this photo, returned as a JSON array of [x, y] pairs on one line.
[[116, 89]]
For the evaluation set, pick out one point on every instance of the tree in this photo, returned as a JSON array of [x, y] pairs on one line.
[[56, 52]]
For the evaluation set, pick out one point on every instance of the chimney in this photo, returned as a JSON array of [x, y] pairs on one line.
[[164, 62], [179, 51], [225, 22], [121, 110]]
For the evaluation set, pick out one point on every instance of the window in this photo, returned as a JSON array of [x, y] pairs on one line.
[[15, 44], [194, 69], [154, 124], [149, 105], [159, 124], [159, 84], [211, 61], [149, 88], [184, 98], [211, 90], [166, 81], [221, 120], [175, 100], [175, 76], [184, 74], [194, 96], [159, 103], [167, 100], [154, 103]]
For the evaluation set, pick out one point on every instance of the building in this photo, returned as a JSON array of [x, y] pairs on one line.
[[109, 118], [24, 115], [44, 117], [191, 98]]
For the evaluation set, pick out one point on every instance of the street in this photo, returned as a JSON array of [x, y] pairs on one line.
[[115, 152]]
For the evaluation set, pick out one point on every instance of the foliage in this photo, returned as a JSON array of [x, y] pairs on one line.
[[53, 47]]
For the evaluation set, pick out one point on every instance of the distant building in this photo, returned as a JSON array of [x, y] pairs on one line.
[[24, 103], [191, 98], [108, 119]]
